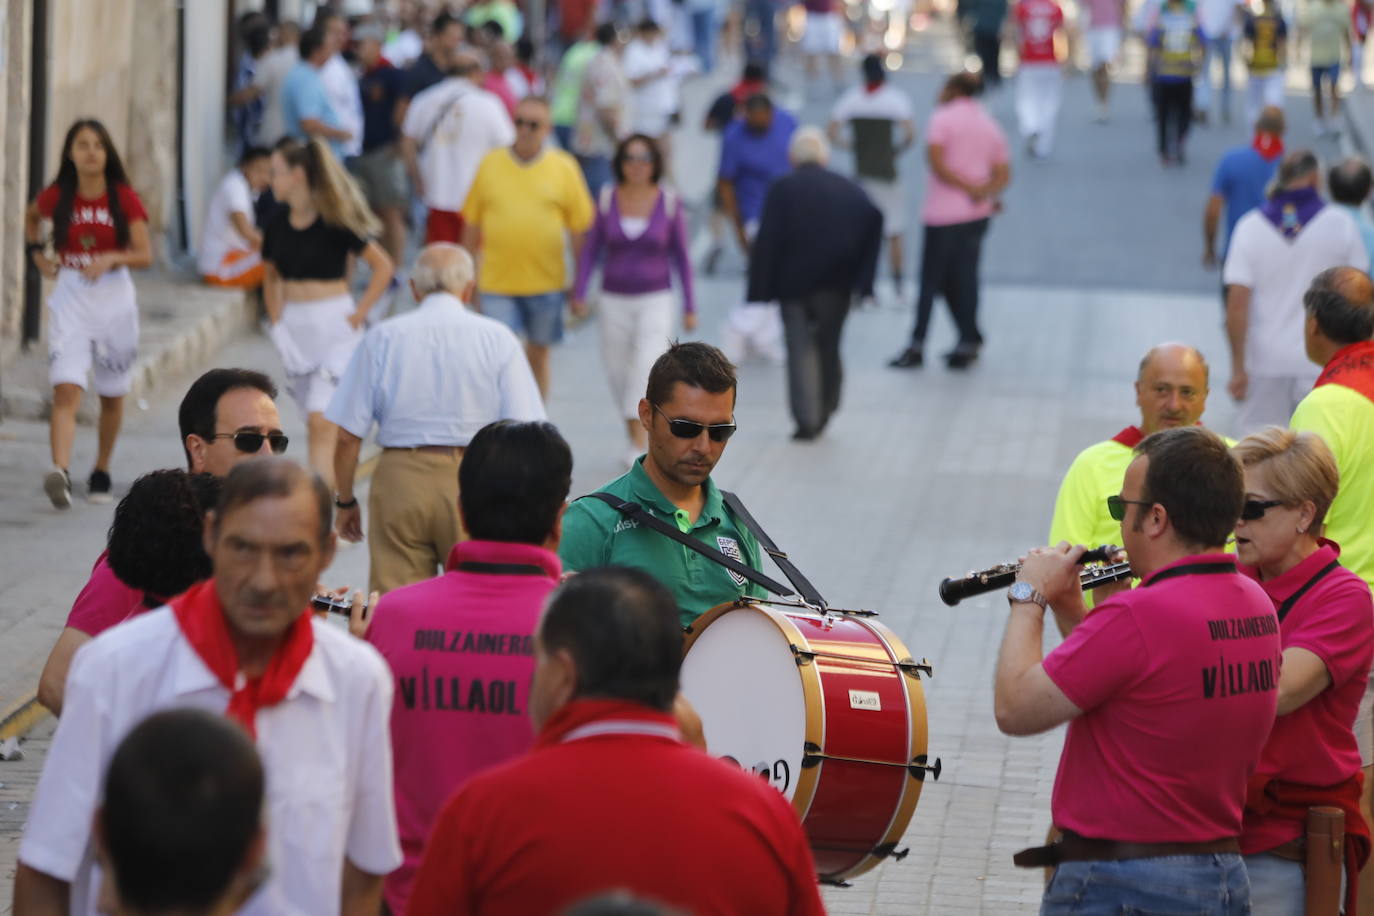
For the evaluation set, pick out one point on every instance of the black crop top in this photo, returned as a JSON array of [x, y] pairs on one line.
[[317, 252]]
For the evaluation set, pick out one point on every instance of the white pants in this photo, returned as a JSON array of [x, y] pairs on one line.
[[93, 324], [635, 329], [1038, 90], [1262, 91], [755, 326], [315, 342], [1270, 401]]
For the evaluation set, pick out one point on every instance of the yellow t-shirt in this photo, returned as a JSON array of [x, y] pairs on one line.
[[523, 210], [1345, 419]]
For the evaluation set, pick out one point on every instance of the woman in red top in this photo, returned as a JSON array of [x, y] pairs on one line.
[[99, 231], [1326, 625]]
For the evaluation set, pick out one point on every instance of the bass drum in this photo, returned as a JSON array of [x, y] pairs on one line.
[[826, 707]]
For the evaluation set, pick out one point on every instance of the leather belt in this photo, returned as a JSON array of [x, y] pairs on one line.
[[432, 449], [1295, 850], [1074, 848]]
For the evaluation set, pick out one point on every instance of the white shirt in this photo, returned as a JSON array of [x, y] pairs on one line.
[[651, 103], [455, 124], [1278, 272], [341, 85], [435, 376], [325, 749], [887, 103], [270, 75], [219, 237], [1218, 18]]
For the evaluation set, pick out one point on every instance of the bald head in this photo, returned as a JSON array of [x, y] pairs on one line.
[[442, 268], [1270, 120], [1171, 387], [1340, 311], [463, 63], [1349, 181]]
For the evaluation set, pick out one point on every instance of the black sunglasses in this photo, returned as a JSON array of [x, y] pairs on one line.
[[690, 429], [252, 442], [1116, 506], [1254, 509]]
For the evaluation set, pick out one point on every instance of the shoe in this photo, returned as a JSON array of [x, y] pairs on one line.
[[961, 357], [805, 434], [708, 265], [58, 485], [98, 487], [910, 358]]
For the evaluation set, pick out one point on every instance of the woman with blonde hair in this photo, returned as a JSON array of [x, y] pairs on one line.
[[305, 251], [1326, 626]]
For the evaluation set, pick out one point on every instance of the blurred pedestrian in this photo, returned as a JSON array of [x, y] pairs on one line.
[[986, 20], [269, 76], [1175, 49], [527, 204], [428, 380], [818, 245], [647, 63], [307, 111], [968, 169], [726, 107], [1040, 76], [567, 85], [378, 168], [1106, 22], [1327, 24], [760, 31], [820, 40], [1220, 21], [1266, 34], [500, 61], [445, 38], [523, 74], [340, 82], [246, 96], [1239, 183], [601, 109], [99, 231], [1350, 182], [503, 13], [315, 322], [704, 17], [639, 240], [448, 128], [230, 244]]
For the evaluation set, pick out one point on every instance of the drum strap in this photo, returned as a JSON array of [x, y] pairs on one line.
[[638, 513], [794, 575]]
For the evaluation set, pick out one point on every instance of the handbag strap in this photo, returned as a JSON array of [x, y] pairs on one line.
[[637, 512], [799, 582]]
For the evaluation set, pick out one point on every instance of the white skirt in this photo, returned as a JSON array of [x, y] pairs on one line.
[[93, 324], [315, 342]]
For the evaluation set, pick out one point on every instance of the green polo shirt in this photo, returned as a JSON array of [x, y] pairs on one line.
[[594, 534]]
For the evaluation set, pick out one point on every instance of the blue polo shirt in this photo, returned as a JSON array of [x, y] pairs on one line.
[[751, 161], [1240, 180], [303, 96]]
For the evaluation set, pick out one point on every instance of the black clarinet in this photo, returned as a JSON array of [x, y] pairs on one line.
[[1101, 572]]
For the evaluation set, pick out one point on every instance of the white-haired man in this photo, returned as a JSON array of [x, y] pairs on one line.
[[429, 379], [818, 244]]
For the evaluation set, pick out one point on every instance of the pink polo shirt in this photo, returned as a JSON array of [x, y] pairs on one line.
[[104, 601], [973, 143], [1178, 683], [460, 647], [1315, 744]]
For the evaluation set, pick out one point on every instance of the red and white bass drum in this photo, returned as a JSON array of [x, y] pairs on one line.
[[827, 707]]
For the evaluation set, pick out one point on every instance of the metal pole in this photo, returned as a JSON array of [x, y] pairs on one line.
[[38, 132]]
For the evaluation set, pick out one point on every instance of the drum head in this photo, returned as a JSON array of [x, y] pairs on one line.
[[743, 680]]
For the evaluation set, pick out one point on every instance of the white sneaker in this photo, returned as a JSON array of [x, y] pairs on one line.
[[58, 485]]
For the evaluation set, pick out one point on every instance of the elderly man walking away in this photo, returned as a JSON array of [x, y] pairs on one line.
[[818, 244], [429, 379]]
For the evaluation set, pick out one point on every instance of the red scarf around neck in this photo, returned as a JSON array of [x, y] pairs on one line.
[[1130, 437], [201, 618], [1351, 367], [1269, 146]]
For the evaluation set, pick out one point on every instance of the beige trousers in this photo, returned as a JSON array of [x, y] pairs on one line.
[[412, 515]]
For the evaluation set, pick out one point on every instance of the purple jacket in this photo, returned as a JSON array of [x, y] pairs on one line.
[[637, 265]]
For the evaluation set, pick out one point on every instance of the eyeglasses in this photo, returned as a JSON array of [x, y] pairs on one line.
[[1116, 506], [527, 124], [251, 443], [690, 429], [637, 157], [1254, 509]]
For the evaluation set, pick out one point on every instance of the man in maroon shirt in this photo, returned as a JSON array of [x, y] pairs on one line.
[[227, 416], [611, 798]]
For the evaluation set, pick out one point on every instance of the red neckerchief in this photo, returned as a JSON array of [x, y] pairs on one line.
[[1130, 437], [201, 618], [746, 88], [1269, 146], [1290, 801], [1352, 367], [582, 713], [381, 64], [871, 88]]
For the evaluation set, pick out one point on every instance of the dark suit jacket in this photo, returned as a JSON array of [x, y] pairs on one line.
[[819, 231]]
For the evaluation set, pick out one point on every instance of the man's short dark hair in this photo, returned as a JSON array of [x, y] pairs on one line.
[[1341, 299], [758, 102], [311, 41], [155, 544], [606, 34], [872, 69], [182, 808], [965, 85], [514, 480], [197, 413], [1296, 166], [443, 21], [493, 30], [754, 72], [1197, 480], [253, 153], [270, 477], [1350, 182], [697, 364], [621, 627]]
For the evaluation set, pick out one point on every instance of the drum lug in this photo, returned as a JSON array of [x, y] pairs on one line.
[[914, 668], [885, 850], [804, 656], [919, 767], [811, 753]]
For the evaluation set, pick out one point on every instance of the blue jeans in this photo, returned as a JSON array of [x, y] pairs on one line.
[[1212, 885], [704, 37], [760, 31], [1278, 886], [1214, 49], [539, 317], [597, 171]]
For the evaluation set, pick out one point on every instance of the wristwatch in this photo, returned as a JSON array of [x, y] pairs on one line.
[[1023, 592], [345, 504]]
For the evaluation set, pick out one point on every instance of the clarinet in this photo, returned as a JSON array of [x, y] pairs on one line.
[[953, 590]]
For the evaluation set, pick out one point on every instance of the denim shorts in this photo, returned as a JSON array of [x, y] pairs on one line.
[[1209, 885], [1330, 73], [539, 317]]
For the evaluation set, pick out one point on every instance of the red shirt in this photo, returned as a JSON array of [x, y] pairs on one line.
[[1178, 683], [91, 230], [1038, 20], [105, 601], [460, 647], [609, 799], [1315, 744]]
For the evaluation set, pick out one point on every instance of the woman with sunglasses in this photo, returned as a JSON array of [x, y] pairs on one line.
[[638, 239], [1326, 624], [305, 252]]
